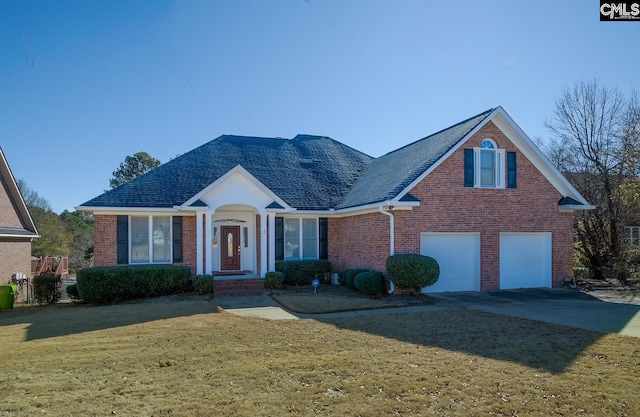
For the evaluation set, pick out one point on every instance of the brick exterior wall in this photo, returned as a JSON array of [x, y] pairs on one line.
[[358, 242], [16, 257], [105, 240], [447, 206], [106, 243]]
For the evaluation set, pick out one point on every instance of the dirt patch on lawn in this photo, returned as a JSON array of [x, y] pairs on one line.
[[337, 298]]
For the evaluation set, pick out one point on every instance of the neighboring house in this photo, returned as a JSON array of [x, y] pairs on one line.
[[16, 228], [479, 197]]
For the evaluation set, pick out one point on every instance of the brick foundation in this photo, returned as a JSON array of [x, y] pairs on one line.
[[240, 286]]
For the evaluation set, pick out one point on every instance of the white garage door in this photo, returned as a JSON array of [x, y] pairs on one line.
[[525, 260], [458, 255]]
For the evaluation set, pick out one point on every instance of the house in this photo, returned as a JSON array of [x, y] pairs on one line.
[[16, 228], [479, 197]]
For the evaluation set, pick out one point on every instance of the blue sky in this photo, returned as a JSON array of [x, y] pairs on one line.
[[85, 83]]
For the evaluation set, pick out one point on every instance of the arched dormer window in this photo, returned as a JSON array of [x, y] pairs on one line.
[[488, 166]]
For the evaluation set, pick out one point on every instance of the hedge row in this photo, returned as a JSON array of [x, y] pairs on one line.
[[303, 272], [103, 285]]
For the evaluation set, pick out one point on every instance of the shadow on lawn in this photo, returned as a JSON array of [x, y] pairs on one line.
[[544, 346], [66, 319]]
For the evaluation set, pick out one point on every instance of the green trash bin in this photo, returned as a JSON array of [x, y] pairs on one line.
[[7, 293]]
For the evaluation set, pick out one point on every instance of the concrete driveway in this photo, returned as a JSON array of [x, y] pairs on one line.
[[602, 311]]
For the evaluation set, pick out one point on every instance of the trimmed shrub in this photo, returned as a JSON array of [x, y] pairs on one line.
[[370, 282], [203, 284], [273, 280], [303, 272], [46, 289], [412, 271], [349, 276], [342, 279], [72, 291], [103, 285]]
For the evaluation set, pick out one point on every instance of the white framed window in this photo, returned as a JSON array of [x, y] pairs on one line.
[[489, 165], [300, 238], [150, 239]]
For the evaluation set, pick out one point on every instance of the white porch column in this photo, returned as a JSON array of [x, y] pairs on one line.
[[199, 243], [207, 241], [263, 242], [272, 241]]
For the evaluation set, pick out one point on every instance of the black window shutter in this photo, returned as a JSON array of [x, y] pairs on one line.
[[511, 170], [122, 239], [279, 249], [468, 168], [323, 250], [177, 238]]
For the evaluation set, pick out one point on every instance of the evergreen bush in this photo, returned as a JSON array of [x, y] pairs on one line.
[[273, 280], [203, 284], [72, 291], [370, 282], [350, 275], [412, 271]]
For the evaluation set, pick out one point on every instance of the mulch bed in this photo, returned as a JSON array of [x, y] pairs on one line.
[[336, 298]]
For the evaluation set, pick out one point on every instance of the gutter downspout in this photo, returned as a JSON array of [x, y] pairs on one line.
[[391, 228]]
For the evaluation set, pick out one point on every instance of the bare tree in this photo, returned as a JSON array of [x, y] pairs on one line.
[[594, 142], [31, 197]]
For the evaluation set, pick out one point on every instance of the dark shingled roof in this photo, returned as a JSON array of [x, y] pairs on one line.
[[388, 175], [307, 172]]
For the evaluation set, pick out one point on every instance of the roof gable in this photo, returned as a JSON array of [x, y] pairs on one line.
[[17, 219], [237, 186], [388, 176]]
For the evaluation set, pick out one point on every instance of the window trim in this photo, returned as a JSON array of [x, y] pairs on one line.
[[499, 168], [150, 243]]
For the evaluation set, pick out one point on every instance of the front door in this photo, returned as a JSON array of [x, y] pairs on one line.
[[230, 253]]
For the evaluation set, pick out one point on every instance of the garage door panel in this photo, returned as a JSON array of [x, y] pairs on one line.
[[458, 255], [525, 260]]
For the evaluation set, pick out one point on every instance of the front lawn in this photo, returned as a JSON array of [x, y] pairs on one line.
[[180, 356]]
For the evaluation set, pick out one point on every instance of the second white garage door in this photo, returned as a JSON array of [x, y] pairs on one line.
[[458, 255], [525, 260]]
